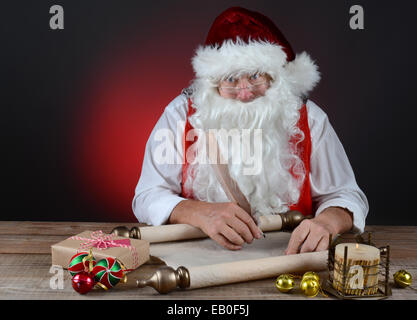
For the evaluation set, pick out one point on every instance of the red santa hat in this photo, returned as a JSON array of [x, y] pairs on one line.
[[244, 41]]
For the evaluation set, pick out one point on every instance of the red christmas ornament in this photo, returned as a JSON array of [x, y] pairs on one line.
[[108, 272], [83, 282], [80, 262]]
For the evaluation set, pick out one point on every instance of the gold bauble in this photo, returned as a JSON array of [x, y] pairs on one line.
[[310, 286], [311, 274], [402, 278], [284, 283]]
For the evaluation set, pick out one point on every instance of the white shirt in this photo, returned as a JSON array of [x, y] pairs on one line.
[[331, 177]]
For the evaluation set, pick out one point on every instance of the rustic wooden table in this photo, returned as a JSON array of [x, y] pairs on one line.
[[25, 266]]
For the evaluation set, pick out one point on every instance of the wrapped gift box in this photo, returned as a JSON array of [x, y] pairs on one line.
[[131, 252]]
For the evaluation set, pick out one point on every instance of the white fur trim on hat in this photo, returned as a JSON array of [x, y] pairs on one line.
[[231, 58]]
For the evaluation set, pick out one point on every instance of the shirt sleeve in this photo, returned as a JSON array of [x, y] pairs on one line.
[[159, 186], [332, 179]]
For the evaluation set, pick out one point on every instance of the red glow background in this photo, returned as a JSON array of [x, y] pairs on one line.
[[125, 94]]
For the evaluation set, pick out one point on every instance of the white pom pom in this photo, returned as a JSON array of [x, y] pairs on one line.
[[302, 74]]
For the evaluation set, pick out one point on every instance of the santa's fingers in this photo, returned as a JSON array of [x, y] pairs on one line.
[[298, 237], [249, 221], [312, 241], [220, 239], [323, 244], [241, 228], [232, 235]]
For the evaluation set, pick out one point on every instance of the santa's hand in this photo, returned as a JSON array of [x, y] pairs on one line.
[[226, 223], [313, 235], [229, 225], [310, 235]]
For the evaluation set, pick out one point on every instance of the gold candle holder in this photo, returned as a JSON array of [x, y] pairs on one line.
[[358, 270]]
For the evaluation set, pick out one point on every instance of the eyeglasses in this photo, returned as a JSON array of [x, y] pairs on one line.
[[252, 82]]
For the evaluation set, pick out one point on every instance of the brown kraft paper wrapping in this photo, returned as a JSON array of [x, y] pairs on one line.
[[63, 251]]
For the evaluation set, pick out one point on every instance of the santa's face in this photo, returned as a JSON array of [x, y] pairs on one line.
[[245, 88]]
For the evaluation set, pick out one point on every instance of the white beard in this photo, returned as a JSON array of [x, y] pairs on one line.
[[274, 189]]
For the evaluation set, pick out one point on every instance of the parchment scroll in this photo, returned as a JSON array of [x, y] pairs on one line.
[[176, 232], [247, 270], [209, 264]]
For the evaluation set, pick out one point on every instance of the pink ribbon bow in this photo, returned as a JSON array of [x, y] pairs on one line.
[[101, 241]]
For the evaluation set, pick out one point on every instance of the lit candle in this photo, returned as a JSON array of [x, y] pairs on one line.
[[362, 268]]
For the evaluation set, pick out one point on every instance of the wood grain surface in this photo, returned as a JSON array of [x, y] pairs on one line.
[[25, 265]]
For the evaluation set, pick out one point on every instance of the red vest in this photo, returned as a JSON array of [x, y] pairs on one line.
[[304, 204]]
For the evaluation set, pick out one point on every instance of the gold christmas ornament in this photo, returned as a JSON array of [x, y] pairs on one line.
[[284, 283], [402, 278], [311, 274], [310, 286]]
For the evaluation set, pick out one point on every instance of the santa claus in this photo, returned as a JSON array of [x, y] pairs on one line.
[[248, 79]]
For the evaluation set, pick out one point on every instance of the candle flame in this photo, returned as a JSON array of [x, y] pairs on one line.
[[357, 246]]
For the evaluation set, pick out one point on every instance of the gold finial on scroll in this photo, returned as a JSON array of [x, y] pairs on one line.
[[122, 231], [291, 219], [166, 279]]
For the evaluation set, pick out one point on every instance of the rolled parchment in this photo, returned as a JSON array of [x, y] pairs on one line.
[[203, 263], [176, 232], [170, 232], [270, 222], [167, 279], [247, 270]]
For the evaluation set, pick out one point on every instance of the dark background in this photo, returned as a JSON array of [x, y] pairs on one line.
[[77, 105]]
